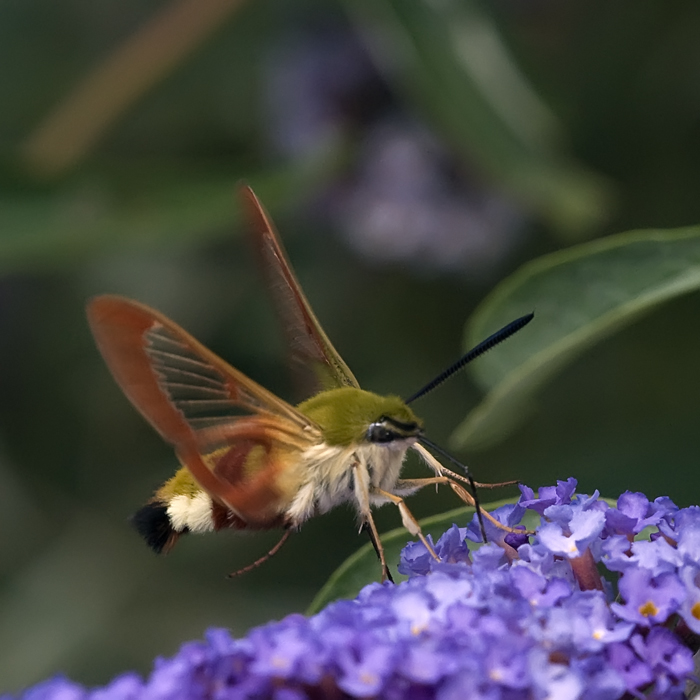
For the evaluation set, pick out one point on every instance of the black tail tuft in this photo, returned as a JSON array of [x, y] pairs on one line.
[[153, 524]]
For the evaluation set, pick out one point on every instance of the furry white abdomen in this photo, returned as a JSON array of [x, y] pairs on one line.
[[193, 513], [334, 475]]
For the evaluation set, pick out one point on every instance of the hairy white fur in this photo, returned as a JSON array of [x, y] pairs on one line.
[[336, 475], [191, 512]]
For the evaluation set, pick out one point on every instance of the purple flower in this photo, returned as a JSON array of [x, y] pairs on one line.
[[670, 661], [634, 512], [428, 662], [414, 608], [452, 547], [58, 688], [509, 515], [312, 84], [537, 589], [365, 665], [558, 681], [582, 623], [635, 672], [656, 556], [513, 620], [690, 608], [548, 495], [406, 202], [649, 599], [125, 687], [601, 681], [572, 530], [687, 526], [416, 560], [287, 650]]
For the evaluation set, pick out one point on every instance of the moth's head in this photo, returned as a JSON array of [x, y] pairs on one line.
[[395, 423], [350, 415]]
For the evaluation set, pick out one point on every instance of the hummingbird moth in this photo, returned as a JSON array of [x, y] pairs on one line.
[[249, 460]]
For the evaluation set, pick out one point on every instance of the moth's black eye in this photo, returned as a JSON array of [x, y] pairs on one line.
[[377, 432], [387, 429]]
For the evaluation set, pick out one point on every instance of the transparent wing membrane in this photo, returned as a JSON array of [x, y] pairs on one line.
[[200, 392], [315, 362]]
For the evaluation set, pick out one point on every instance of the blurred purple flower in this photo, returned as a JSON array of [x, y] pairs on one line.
[[670, 661], [690, 608], [406, 203], [61, 688], [404, 197], [319, 84], [509, 621], [537, 589], [635, 672]]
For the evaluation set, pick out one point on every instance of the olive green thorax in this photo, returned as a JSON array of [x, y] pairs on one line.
[[182, 484], [346, 414]]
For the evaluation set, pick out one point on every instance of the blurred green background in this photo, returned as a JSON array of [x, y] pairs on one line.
[[413, 154]]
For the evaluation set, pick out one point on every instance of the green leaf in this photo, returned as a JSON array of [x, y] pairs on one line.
[[363, 567], [579, 296], [451, 60]]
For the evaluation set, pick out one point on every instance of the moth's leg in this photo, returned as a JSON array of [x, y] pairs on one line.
[[469, 500], [440, 469], [478, 484], [414, 484], [407, 518], [481, 485], [406, 487], [429, 459], [263, 558], [303, 505], [361, 487], [377, 544]]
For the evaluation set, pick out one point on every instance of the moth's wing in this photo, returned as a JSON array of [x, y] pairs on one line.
[[195, 400], [179, 386], [314, 359]]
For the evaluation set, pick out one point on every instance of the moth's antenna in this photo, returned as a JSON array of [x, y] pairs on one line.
[[467, 473], [480, 349], [263, 558]]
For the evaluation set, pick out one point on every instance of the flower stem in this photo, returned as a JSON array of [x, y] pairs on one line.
[[586, 572]]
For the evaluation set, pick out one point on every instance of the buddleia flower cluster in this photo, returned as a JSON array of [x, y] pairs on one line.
[[599, 602]]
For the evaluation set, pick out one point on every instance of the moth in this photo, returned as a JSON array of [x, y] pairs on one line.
[[249, 460]]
